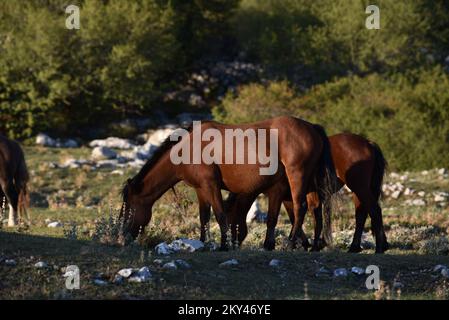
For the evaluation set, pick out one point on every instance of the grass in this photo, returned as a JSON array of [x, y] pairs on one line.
[[80, 198]]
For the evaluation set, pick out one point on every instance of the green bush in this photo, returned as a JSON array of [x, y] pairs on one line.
[[56, 79], [322, 38], [408, 116]]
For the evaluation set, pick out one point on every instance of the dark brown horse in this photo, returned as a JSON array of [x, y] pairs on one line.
[[360, 164], [13, 179], [298, 149]]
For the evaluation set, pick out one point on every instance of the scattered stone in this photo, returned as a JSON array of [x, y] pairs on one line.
[[439, 267], [421, 194], [158, 262], [162, 249], [46, 141], [118, 172], [112, 142], [445, 272], [442, 171], [358, 271], [170, 266], [323, 271], [118, 279], [275, 263], [408, 192], [143, 275], [100, 282], [158, 136], [396, 194], [10, 262], [189, 245], [55, 224], [183, 264], [425, 172], [125, 273], [418, 202], [41, 264], [229, 263], [340, 272], [256, 213], [102, 153]]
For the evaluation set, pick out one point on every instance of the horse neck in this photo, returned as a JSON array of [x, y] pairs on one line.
[[161, 177]]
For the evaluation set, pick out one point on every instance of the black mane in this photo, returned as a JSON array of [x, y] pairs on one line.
[[160, 151]]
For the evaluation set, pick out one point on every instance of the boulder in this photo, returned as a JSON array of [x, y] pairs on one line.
[[102, 153], [112, 142]]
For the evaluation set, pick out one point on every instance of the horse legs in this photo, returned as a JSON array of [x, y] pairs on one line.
[[213, 193], [204, 208], [12, 197], [289, 208], [237, 207], [378, 228], [274, 205], [361, 213]]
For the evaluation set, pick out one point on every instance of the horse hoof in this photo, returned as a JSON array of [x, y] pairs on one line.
[[355, 249], [269, 246]]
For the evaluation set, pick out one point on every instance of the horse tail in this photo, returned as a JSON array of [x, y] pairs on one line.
[[21, 181], [380, 167], [325, 182]]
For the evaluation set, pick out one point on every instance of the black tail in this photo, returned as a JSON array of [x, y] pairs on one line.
[[325, 182], [380, 167]]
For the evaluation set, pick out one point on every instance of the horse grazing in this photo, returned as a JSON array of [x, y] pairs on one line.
[[297, 151], [359, 164], [13, 179]]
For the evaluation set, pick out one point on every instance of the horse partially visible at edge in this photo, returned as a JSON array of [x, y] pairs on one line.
[[14, 178]]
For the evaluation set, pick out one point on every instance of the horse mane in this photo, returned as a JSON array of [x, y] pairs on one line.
[[157, 155]]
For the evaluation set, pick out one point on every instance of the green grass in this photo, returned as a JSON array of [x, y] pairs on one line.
[[82, 196]]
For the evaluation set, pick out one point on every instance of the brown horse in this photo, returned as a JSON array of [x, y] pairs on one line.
[[298, 149], [360, 164], [13, 179]]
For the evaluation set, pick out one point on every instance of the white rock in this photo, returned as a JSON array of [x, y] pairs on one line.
[[170, 266], [118, 172], [275, 263], [439, 267], [182, 264], [158, 136], [112, 142], [255, 212], [421, 194], [40, 264], [100, 282], [425, 173], [408, 192], [445, 272], [125, 273], [228, 263], [10, 262], [118, 279], [163, 249], [418, 202], [439, 198], [158, 261], [358, 271], [394, 175], [189, 245], [101, 153], [55, 224], [143, 275], [340, 272], [396, 194], [44, 140]]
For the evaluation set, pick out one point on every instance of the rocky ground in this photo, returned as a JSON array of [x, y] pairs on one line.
[[74, 201]]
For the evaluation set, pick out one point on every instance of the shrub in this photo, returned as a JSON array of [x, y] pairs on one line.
[[407, 115]]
